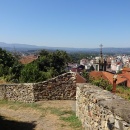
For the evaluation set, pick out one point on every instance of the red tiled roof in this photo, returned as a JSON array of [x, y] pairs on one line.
[[97, 74], [126, 75], [80, 79], [108, 76], [126, 69], [27, 59], [76, 70]]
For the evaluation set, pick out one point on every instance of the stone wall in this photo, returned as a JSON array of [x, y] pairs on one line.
[[101, 110], [96, 108], [17, 92], [61, 87]]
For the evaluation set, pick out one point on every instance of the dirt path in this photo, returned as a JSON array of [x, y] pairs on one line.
[[44, 115]]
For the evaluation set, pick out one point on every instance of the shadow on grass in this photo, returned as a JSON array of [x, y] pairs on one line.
[[6, 124]]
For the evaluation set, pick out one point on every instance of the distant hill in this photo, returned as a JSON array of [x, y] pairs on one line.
[[15, 45], [26, 47]]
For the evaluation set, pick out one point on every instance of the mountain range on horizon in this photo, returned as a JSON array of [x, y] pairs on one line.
[[26, 47]]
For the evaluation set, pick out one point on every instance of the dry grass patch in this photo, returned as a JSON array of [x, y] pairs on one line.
[[48, 115]]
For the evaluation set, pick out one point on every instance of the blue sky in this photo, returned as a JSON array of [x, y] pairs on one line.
[[66, 23]]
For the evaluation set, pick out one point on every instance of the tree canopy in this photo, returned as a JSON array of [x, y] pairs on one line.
[[48, 65]]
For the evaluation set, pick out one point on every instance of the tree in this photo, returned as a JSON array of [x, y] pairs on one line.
[[6, 61], [60, 60], [57, 60], [29, 73], [15, 71], [85, 74], [44, 53], [48, 65], [9, 66], [6, 58]]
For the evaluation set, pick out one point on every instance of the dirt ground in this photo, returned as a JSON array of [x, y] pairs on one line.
[[13, 117]]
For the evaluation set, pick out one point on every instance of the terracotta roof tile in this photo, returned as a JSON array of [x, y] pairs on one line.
[[108, 76], [97, 74], [126, 69], [27, 59], [80, 79], [126, 75]]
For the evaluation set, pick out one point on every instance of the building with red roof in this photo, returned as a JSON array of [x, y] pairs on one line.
[[109, 77], [80, 79], [28, 59], [127, 76]]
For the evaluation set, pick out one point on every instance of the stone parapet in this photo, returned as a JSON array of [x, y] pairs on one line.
[[99, 109], [61, 87], [17, 92]]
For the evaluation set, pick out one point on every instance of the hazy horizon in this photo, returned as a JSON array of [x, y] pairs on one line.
[[60, 46]]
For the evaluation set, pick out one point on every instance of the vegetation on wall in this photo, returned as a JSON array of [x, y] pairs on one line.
[[100, 83], [122, 91]]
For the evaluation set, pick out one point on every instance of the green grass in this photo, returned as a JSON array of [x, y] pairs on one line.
[[73, 120], [68, 116], [59, 112]]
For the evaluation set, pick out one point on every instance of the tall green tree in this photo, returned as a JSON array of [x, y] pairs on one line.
[[6, 58], [6, 61], [48, 65], [9, 66], [29, 73]]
